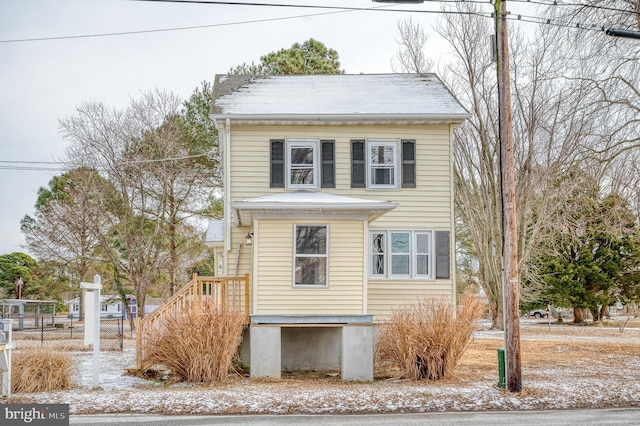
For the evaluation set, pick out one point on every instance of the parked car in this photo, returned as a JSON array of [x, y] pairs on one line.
[[539, 313]]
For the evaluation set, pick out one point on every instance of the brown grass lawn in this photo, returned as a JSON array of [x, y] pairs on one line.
[[537, 356], [563, 366], [561, 352]]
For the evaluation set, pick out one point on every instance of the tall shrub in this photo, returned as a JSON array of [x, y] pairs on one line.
[[195, 347], [427, 339]]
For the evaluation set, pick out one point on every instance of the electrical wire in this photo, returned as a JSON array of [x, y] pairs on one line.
[[161, 160], [32, 165], [38, 165], [333, 10], [583, 5]]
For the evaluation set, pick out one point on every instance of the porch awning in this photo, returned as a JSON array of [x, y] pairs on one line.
[[307, 203]]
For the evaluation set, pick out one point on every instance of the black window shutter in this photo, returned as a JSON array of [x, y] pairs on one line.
[[328, 164], [408, 163], [442, 255], [358, 165], [277, 163]]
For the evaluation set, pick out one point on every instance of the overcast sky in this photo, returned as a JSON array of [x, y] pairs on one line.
[[42, 81]]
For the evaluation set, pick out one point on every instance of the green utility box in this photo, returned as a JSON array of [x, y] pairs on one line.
[[501, 378]]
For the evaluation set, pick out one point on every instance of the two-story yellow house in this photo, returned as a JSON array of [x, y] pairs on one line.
[[338, 194]]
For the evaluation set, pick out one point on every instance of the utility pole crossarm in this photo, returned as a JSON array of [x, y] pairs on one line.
[[623, 33]]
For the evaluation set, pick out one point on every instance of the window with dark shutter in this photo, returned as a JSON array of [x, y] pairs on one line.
[[358, 165], [328, 164], [277, 163], [408, 163], [442, 255]]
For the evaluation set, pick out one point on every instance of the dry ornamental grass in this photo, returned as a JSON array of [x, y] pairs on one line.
[[41, 370], [426, 340], [564, 367], [196, 347]]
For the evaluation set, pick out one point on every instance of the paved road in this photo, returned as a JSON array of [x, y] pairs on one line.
[[613, 416]]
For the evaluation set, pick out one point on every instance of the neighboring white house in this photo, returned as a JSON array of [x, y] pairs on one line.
[[111, 306]]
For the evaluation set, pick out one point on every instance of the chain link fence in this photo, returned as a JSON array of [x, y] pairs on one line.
[[67, 333]]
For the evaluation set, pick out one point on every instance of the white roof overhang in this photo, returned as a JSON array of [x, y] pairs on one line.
[[215, 233], [340, 119], [306, 204]]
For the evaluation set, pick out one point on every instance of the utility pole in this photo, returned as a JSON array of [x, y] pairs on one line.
[[510, 275]]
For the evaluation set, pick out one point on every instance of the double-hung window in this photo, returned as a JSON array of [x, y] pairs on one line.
[[311, 255], [383, 167], [401, 254], [302, 163], [383, 163]]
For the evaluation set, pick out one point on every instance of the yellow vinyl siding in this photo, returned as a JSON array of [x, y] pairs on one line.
[[428, 206], [275, 291], [385, 296], [238, 235]]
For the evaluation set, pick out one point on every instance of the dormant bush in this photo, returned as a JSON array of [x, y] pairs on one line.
[[426, 340], [196, 347], [41, 369]]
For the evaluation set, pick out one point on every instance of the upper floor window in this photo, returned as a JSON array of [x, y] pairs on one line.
[[311, 255], [302, 163], [383, 164]]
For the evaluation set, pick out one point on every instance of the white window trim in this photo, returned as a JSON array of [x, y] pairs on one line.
[[326, 256], [413, 272], [371, 253], [313, 143], [429, 254], [395, 143]]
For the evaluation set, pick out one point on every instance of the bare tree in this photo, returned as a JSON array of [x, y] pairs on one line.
[[153, 185], [552, 131], [570, 107], [411, 56], [61, 229]]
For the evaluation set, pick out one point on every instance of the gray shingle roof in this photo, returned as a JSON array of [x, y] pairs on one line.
[[339, 96]]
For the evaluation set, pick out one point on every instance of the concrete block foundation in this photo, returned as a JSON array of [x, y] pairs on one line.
[[265, 352], [303, 343], [357, 353]]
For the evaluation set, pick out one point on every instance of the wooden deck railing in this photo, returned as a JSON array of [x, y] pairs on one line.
[[226, 292]]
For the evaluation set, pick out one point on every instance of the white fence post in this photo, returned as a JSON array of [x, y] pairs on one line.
[[6, 344], [92, 326]]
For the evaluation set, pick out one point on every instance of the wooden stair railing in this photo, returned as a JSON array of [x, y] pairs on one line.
[[224, 291]]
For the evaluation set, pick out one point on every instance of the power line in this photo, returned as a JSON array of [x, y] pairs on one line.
[[28, 162], [333, 10], [584, 5], [158, 30], [41, 165], [336, 10], [161, 160]]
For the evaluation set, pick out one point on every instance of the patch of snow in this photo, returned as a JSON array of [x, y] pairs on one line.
[[611, 380]]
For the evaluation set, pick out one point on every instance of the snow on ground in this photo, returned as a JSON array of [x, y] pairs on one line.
[[580, 370]]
